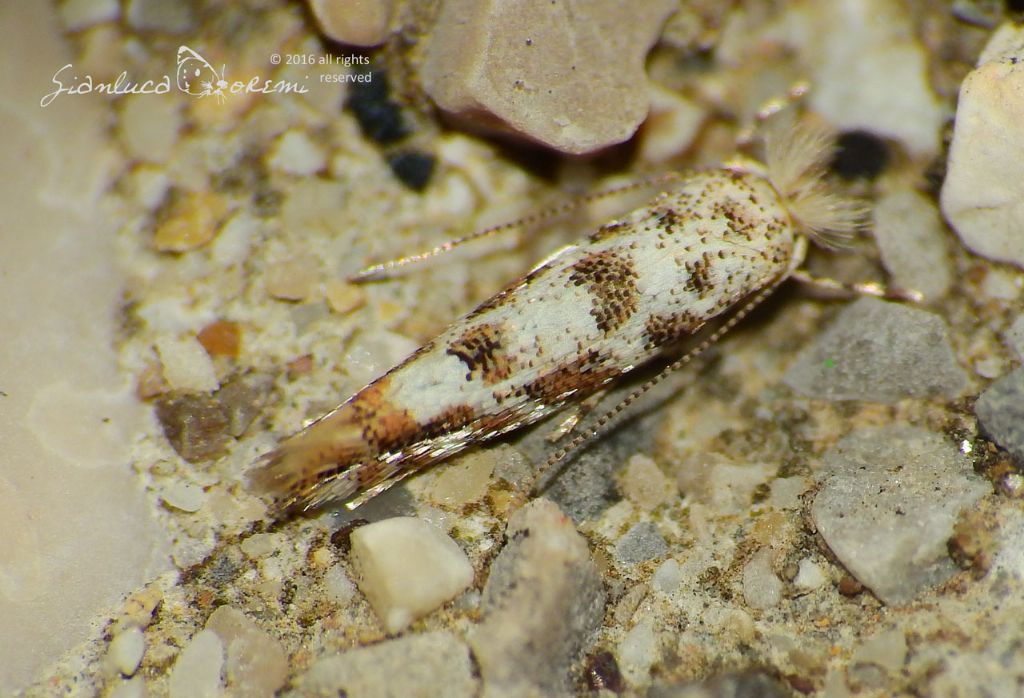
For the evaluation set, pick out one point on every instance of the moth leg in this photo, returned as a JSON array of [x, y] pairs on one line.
[[575, 416], [831, 288]]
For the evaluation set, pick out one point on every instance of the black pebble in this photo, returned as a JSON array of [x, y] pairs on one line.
[[412, 167], [860, 155]]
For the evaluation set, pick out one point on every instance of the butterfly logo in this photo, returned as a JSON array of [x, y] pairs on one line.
[[197, 77]]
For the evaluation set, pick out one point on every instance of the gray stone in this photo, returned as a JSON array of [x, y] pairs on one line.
[[747, 684], [542, 604], [426, 665], [879, 352], [1000, 411], [889, 499], [641, 542]]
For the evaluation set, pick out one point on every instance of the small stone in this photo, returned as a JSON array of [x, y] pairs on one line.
[[671, 125], [293, 279], [643, 483], [912, 239], [380, 118], [295, 154], [126, 650], [462, 481], [134, 688], [186, 364], [408, 568], [879, 352], [221, 338], [762, 589], [156, 15], [668, 576], [642, 542], [149, 126], [192, 223], [343, 297], [983, 194], [887, 649], [338, 586], [257, 664], [1000, 411], [194, 424], [235, 239], [638, 652], [888, 504], [809, 576], [786, 492], [261, 545], [412, 167], [859, 155], [425, 664], [354, 22], [81, 14], [184, 496], [551, 72], [1015, 336], [197, 670], [747, 684], [242, 398], [542, 603]]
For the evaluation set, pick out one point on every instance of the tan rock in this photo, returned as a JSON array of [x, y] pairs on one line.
[[355, 22], [568, 74]]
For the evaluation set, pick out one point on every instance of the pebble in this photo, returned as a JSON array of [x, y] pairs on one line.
[[747, 684], [241, 398], [295, 154], [809, 576], [542, 603], [126, 650], [643, 483], [343, 297], [1000, 411], [186, 364], [408, 568], [1014, 336], [879, 352], [869, 71], [983, 194], [338, 585], [156, 15], [354, 22], [638, 652], [221, 338], [912, 240], [887, 649], [197, 670], [81, 14], [671, 126], [257, 664], [762, 589], [425, 664], [551, 72], [193, 223], [462, 481], [195, 425], [134, 688], [889, 499], [642, 542], [668, 576], [293, 279], [149, 126], [184, 496]]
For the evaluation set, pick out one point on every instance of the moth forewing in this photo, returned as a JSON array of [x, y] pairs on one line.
[[588, 314]]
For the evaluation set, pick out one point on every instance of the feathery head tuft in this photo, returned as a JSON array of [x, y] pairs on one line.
[[796, 159]]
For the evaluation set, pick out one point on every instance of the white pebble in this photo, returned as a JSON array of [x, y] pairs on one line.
[[667, 577], [295, 154], [197, 671], [638, 651], [761, 588], [150, 125], [983, 195], [133, 688], [809, 576], [339, 587], [184, 496], [912, 239], [80, 14], [231, 246], [408, 568], [186, 365], [126, 650], [887, 649]]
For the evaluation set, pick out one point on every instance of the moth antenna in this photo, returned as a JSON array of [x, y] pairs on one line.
[[796, 161], [605, 419], [385, 270]]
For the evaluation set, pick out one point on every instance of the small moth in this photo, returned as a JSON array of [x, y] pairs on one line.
[[713, 244]]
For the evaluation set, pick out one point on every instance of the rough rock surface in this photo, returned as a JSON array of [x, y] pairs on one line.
[[569, 75]]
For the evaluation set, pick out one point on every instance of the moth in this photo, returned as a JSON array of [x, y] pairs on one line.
[[711, 245]]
